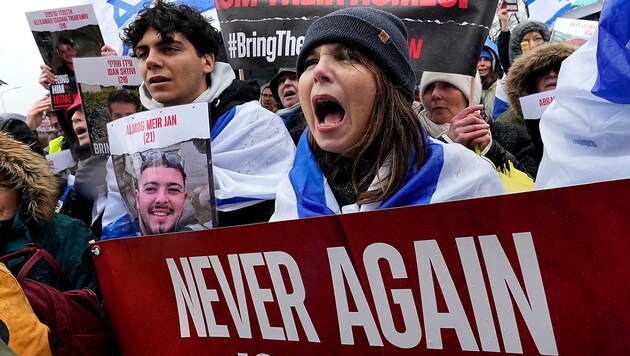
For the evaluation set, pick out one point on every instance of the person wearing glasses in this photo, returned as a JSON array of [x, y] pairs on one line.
[[161, 193], [252, 150]]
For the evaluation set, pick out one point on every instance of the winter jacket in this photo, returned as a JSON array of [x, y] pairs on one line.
[[508, 143], [520, 82], [251, 152], [65, 238]]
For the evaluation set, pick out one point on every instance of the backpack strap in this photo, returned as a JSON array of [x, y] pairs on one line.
[[34, 254]]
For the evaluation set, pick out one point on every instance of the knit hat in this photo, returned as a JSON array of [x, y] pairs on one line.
[[487, 54], [76, 104], [275, 81], [460, 81], [21, 132], [375, 33], [520, 31]]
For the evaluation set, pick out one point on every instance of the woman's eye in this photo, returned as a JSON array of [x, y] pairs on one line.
[[310, 62]]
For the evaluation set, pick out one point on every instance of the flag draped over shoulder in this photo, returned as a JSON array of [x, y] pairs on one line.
[[586, 130], [451, 172]]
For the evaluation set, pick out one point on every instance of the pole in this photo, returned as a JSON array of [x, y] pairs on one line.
[[2, 96]]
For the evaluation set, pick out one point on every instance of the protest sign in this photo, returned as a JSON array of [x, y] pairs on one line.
[[510, 5], [531, 273], [61, 35], [444, 35], [534, 105], [102, 78], [574, 30], [60, 161], [163, 167]]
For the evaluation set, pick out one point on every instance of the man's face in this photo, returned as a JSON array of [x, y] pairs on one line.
[[288, 89], [66, 53], [160, 199], [267, 100], [120, 109], [172, 71], [9, 199]]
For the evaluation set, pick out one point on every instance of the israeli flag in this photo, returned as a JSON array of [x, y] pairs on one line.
[[451, 172], [586, 129], [113, 15], [548, 11], [501, 103]]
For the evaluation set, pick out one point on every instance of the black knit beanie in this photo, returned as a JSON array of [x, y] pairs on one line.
[[373, 32]]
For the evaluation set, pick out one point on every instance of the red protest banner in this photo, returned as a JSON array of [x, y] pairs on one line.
[[535, 273], [444, 35]]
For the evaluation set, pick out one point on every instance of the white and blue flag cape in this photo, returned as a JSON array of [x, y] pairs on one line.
[[451, 172], [586, 130]]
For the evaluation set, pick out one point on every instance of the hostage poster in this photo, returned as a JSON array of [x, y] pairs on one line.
[[61, 35], [109, 91], [444, 35], [163, 167]]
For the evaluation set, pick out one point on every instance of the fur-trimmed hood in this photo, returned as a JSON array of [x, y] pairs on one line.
[[32, 175], [520, 76]]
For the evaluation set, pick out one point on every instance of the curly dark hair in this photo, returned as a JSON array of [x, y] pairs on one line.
[[167, 18]]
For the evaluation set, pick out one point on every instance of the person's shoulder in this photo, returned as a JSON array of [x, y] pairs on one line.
[[510, 117], [69, 227]]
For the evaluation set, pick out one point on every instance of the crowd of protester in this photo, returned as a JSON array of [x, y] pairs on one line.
[[327, 147]]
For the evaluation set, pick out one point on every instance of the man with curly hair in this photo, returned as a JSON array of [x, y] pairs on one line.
[[251, 149]]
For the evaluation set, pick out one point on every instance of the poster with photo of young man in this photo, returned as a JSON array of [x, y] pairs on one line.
[[61, 35], [109, 91], [163, 168]]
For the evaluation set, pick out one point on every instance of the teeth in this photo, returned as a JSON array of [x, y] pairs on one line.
[[159, 213]]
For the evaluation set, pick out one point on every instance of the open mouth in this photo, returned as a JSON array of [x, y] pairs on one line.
[[328, 111], [80, 130], [157, 80], [161, 212], [289, 94]]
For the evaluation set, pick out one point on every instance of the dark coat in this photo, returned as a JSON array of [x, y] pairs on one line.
[[65, 238]]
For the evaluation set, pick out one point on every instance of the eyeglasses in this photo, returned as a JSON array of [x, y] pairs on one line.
[[172, 158]]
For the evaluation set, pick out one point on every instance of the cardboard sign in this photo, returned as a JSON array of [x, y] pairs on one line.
[[61, 35], [534, 105], [60, 161], [163, 165], [510, 5], [533, 273], [444, 36], [98, 78], [577, 31]]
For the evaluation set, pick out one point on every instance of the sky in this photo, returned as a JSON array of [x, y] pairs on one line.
[[19, 56]]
